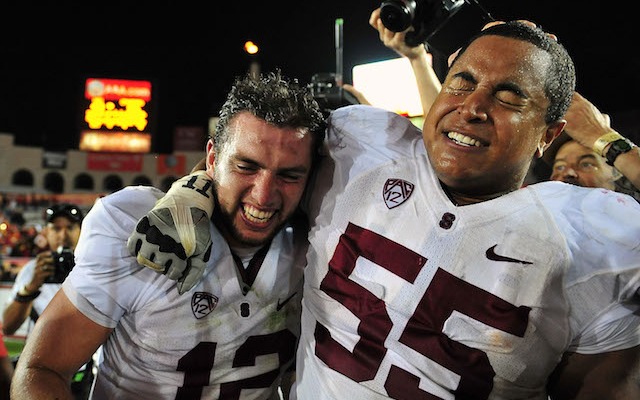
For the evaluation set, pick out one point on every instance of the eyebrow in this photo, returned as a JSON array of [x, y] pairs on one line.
[[582, 157], [297, 169], [508, 86], [466, 76]]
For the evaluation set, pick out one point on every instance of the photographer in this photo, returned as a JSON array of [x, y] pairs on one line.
[[39, 280], [34, 287]]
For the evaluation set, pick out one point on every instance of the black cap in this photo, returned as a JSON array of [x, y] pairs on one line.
[[68, 210]]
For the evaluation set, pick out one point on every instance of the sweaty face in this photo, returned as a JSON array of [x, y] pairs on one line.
[[259, 178], [488, 120], [579, 165]]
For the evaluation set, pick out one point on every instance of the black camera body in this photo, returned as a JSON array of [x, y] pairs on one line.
[[444, 25], [63, 262]]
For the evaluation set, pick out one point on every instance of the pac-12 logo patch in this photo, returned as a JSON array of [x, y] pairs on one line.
[[202, 304], [396, 192]]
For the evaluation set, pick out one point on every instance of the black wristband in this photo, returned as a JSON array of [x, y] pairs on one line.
[[617, 147], [28, 298]]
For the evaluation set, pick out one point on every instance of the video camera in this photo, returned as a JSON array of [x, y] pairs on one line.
[[63, 262], [326, 88], [328, 92], [444, 25]]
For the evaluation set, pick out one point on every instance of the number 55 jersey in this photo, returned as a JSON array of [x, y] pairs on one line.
[[408, 296]]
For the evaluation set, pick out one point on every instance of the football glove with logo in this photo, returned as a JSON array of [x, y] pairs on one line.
[[174, 237]]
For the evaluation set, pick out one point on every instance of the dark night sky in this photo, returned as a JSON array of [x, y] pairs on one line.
[[191, 51]]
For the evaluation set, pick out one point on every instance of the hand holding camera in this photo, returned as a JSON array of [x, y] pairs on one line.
[[63, 263], [444, 25], [51, 267]]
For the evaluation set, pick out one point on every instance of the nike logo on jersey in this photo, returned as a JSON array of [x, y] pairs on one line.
[[396, 191], [280, 305], [491, 255]]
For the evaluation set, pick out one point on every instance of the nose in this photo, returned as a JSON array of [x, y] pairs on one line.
[[64, 236], [570, 172], [264, 188], [474, 107], [567, 175]]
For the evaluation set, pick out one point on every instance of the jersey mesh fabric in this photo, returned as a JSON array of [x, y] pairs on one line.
[[417, 296], [211, 342]]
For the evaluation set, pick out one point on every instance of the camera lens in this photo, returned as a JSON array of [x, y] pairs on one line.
[[397, 15]]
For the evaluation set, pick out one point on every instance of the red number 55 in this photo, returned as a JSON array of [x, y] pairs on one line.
[[423, 332]]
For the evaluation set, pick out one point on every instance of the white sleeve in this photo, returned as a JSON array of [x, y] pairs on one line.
[[603, 237], [360, 138], [106, 281]]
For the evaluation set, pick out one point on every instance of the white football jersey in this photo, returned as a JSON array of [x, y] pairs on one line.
[[408, 296], [221, 340]]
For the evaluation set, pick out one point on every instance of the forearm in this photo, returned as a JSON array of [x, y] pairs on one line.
[[14, 316], [38, 383], [629, 165], [428, 83]]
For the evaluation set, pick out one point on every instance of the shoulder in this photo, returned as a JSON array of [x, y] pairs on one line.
[[600, 228], [24, 276], [122, 207], [112, 218], [363, 137], [371, 123], [131, 198], [609, 215], [27, 268]]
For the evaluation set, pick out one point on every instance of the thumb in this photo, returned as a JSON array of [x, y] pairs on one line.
[[192, 275]]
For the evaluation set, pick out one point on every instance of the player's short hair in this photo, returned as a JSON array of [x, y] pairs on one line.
[[275, 99]]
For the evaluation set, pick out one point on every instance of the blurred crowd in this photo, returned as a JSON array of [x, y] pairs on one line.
[[21, 222]]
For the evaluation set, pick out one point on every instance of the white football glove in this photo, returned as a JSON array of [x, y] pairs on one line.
[[174, 237]]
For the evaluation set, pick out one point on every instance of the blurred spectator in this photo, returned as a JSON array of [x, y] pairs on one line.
[[6, 273], [30, 292], [39, 280], [573, 161]]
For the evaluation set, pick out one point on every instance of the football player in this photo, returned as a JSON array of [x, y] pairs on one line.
[[234, 335], [433, 273]]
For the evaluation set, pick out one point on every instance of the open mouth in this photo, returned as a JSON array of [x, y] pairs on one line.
[[257, 216], [464, 140]]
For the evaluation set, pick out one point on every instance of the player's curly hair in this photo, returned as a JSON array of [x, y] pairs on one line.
[[277, 100]]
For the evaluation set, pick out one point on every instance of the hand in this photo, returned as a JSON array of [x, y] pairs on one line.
[[585, 123], [174, 237], [356, 93], [44, 269], [395, 40]]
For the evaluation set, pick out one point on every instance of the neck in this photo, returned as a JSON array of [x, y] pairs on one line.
[[463, 199]]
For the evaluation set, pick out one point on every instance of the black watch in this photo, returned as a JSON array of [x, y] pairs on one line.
[[617, 147]]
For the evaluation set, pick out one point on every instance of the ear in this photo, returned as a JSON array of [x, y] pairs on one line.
[[553, 131], [211, 155]]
